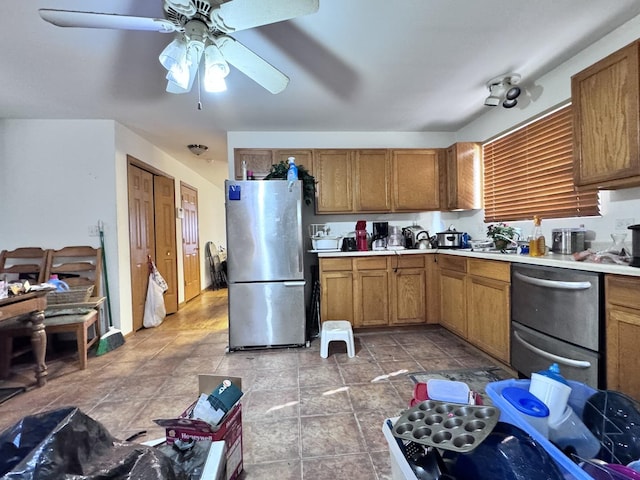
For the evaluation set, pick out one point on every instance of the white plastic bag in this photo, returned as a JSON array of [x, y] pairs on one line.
[[154, 309]]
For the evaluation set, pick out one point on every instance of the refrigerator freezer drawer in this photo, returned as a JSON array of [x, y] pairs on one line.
[[266, 314]]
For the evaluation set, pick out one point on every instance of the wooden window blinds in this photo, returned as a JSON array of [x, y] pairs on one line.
[[530, 172]]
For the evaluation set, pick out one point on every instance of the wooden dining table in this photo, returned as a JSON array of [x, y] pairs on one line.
[[30, 305]]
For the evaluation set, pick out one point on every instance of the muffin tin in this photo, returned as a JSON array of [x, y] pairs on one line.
[[449, 426]]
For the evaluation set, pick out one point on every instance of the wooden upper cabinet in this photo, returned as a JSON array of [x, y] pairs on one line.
[[303, 157], [606, 108], [462, 171], [415, 179], [259, 161], [372, 187], [333, 172]]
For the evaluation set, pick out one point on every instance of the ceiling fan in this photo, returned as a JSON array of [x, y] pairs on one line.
[[201, 29]]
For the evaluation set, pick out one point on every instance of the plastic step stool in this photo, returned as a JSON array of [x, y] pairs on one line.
[[336, 330]]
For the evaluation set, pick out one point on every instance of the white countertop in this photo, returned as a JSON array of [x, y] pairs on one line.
[[549, 260]]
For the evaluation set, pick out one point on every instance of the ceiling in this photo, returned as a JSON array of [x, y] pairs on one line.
[[355, 65]]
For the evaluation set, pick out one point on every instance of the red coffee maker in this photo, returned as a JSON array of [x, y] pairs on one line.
[[361, 236]]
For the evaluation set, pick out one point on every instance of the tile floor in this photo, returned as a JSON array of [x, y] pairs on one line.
[[304, 417]]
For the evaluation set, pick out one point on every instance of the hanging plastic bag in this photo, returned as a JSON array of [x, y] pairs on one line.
[[154, 309]]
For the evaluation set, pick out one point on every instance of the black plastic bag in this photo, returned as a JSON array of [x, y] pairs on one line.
[[67, 444]]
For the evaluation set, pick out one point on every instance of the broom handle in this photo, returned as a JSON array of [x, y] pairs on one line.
[[106, 276]]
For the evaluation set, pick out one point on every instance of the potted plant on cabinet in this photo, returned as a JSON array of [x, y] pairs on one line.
[[279, 172], [502, 235]]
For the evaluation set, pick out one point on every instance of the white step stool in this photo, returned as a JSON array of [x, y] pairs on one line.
[[336, 330]]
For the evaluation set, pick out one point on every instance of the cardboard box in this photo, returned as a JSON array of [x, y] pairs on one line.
[[229, 429]]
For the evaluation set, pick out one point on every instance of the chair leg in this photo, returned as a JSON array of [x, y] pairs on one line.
[[81, 337], [6, 350]]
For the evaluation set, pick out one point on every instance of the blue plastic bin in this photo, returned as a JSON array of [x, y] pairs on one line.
[[580, 393]]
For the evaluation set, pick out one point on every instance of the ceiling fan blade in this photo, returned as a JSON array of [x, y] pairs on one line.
[[252, 65], [238, 15], [70, 18]]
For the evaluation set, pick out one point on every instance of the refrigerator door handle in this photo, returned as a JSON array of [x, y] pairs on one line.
[[300, 239], [299, 283]]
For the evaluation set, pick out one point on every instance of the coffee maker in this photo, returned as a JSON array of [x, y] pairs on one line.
[[380, 235]]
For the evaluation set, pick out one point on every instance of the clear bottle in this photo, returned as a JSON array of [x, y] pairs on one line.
[[292, 173], [537, 245]]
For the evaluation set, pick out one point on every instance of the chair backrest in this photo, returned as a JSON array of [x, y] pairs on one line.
[[28, 263], [77, 266]]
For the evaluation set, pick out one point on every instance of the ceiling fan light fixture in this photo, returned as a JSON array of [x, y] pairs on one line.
[[173, 53], [197, 149], [215, 70]]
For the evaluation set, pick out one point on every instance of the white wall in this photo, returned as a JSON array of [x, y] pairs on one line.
[[74, 174]]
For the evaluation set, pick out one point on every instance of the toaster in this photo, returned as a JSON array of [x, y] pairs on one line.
[[412, 234]]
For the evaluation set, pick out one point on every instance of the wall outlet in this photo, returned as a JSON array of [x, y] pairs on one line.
[[94, 230], [623, 223]]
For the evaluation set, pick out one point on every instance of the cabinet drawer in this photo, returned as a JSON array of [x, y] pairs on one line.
[[370, 263], [449, 262], [408, 261], [335, 264], [622, 291], [490, 269]]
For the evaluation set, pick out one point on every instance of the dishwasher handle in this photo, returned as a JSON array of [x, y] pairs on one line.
[[550, 356], [541, 282]]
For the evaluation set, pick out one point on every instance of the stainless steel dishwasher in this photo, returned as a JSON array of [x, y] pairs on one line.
[[557, 317]]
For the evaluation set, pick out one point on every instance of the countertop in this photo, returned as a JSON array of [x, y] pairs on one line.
[[549, 260]]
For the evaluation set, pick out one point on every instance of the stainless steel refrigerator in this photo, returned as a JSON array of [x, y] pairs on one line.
[[265, 267]]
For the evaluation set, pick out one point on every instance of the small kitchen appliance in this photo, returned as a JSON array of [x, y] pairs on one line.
[[395, 240], [361, 236], [380, 235], [412, 235], [450, 238], [635, 245], [567, 240]]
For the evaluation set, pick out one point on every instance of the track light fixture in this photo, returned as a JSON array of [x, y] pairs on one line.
[[503, 90]]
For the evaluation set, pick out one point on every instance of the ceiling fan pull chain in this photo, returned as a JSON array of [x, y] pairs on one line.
[[199, 102]]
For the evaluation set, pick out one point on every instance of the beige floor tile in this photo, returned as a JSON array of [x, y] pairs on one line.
[[336, 434]]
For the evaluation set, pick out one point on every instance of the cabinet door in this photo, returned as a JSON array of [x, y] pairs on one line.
[[333, 172], [337, 296], [488, 317], [416, 180], [453, 303], [303, 157], [372, 298], [372, 189], [409, 296], [606, 106], [462, 171], [259, 161], [623, 334]]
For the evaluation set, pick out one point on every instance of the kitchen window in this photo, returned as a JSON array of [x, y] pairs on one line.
[[529, 171]]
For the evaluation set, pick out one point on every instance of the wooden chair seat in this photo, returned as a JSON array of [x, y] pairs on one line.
[[77, 323]]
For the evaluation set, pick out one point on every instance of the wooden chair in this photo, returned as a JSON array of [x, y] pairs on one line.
[[77, 266], [28, 263]]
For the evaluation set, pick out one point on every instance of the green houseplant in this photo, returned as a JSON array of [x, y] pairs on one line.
[[279, 172], [500, 233]]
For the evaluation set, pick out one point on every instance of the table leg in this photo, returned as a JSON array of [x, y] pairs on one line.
[[39, 346]]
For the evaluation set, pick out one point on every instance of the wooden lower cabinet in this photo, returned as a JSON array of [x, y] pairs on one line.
[[336, 280], [453, 301], [374, 291], [488, 307], [408, 291], [623, 334]]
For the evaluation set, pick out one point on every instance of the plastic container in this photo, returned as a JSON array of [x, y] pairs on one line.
[[570, 431], [580, 393], [292, 173], [400, 469], [529, 407], [551, 387]]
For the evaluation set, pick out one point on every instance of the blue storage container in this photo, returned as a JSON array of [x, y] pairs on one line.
[[580, 393]]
